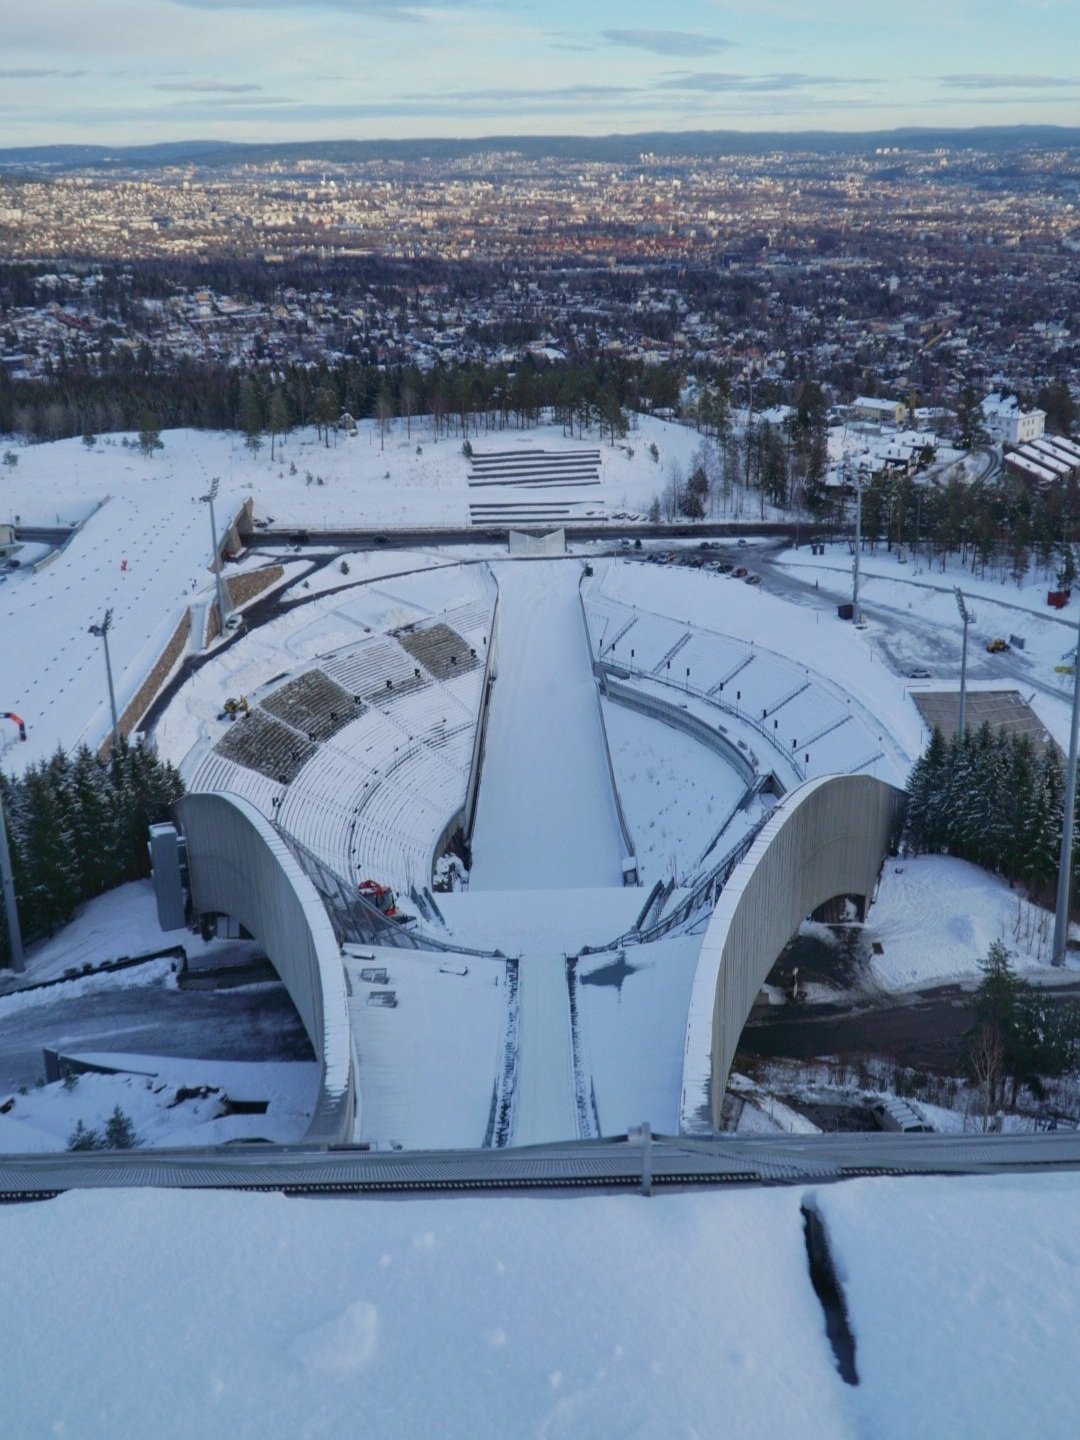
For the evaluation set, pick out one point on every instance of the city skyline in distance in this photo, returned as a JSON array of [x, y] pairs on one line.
[[145, 71]]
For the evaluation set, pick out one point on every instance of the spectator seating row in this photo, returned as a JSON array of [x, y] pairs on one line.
[[804, 715], [313, 704]]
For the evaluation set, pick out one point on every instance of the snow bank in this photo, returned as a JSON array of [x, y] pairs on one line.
[[964, 1299], [598, 1316], [44, 1119]]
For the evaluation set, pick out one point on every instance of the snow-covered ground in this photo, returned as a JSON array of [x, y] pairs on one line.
[[632, 1007], [428, 1065], [963, 1297], [936, 917], [585, 1316], [546, 816], [44, 1119], [676, 794], [121, 922]]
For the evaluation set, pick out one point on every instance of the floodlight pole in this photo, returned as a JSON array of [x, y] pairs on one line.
[[102, 633], [1061, 914], [967, 617], [209, 499], [855, 613], [7, 883]]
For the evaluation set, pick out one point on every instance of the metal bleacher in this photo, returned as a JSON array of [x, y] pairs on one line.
[[364, 757], [313, 704], [441, 651], [267, 745], [375, 669]]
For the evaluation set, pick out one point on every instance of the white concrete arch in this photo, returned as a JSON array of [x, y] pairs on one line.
[[827, 838], [240, 866]]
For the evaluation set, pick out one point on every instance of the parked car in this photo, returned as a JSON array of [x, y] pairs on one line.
[[752, 580], [918, 673], [739, 573]]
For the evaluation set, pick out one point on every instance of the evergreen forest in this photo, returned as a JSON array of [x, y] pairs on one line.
[[990, 798], [77, 826]]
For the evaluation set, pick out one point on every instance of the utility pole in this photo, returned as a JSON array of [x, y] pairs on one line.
[[208, 499], [7, 884], [1061, 914], [856, 615], [967, 616], [102, 633]]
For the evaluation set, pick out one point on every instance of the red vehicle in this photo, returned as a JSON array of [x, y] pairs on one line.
[[381, 896]]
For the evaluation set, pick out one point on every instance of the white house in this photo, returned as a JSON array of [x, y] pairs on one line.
[[1009, 424]]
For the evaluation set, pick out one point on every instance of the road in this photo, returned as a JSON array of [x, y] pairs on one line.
[[938, 648], [256, 1022]]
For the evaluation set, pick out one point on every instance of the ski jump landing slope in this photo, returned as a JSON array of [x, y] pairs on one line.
[[546, 817]]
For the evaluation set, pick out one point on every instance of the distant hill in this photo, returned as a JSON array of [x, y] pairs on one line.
[[989, 139]]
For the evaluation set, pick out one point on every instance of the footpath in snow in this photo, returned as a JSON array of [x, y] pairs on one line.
[[546, 817]]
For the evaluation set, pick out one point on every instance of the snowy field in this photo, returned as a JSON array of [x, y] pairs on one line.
[[153, 1099], [518, 1317], [936, 917], [354, 483], [145, 549], [632, 1008]]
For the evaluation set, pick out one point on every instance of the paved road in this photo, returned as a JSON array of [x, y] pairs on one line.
[[256, 1022]]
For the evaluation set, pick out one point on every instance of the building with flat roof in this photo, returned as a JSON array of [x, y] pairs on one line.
[[881, 411]]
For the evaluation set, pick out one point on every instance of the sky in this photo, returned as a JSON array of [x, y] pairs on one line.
[[137, 71]]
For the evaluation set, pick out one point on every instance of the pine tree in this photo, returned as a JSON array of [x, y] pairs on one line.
[[119, 1131], [83, 1138], [52, 884]]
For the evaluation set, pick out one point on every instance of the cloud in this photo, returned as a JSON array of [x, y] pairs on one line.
[[206, 87], [1008, 82], [667, 42], [384, 9], [27, 74], [715, 82]]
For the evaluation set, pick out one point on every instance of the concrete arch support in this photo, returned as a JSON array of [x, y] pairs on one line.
[[240, 866], [828, 837]]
